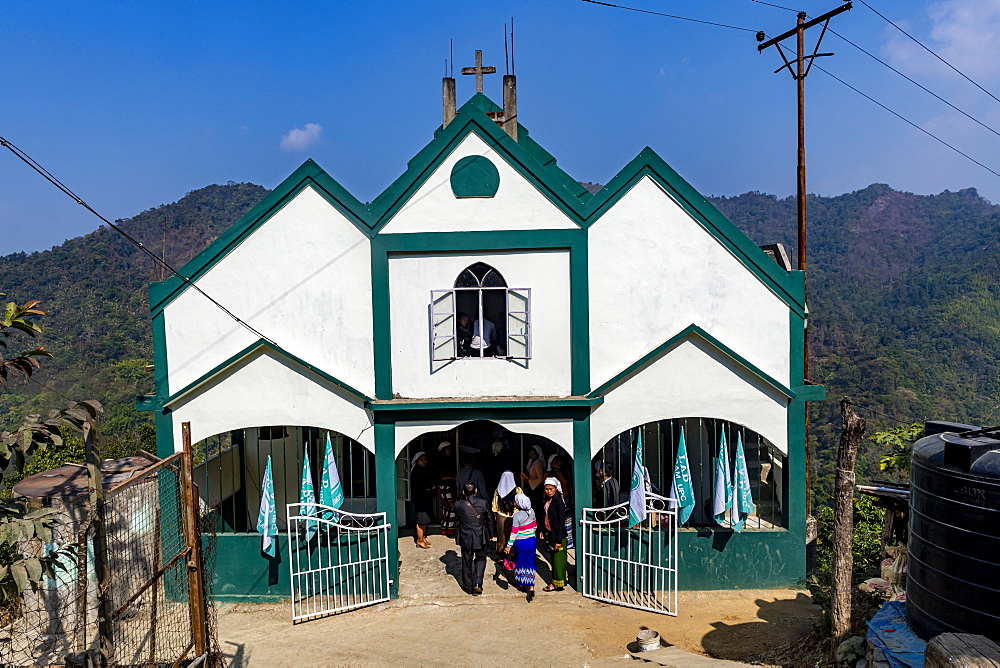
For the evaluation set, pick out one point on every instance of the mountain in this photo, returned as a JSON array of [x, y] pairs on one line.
[[93, 290], [904, 298], [904, 295]]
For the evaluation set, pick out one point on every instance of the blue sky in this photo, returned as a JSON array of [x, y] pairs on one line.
[[135, 104]]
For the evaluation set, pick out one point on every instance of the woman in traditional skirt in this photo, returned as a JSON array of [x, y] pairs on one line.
[[559, 471], [503, 510], [553, 530], [521, 545], [422, 493]]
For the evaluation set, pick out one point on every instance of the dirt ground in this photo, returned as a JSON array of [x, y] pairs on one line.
[[434, 622]]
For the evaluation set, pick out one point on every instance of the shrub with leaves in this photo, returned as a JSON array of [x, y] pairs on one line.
[[899, 441], [19, 522]]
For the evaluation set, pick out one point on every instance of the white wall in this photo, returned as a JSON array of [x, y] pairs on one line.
[[518, 205], [411, 279], [303, 279], [654, 271], [557, 431], [692, 380], [267, 389]]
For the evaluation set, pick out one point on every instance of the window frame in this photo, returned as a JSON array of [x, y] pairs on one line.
[[444, 320]]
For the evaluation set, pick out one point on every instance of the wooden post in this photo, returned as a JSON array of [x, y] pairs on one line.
[[95, 484], [852, 431], [157, 559], [196, 589], [82, 584]]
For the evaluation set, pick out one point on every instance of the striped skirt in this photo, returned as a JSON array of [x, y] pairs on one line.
[[523, 555]]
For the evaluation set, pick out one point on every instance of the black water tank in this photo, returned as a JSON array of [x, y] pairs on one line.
[[953, 565]]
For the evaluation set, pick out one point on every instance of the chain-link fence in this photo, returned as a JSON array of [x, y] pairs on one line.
[[126, 589]]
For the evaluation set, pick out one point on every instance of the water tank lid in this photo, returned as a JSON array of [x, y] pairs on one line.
[[978, 454]]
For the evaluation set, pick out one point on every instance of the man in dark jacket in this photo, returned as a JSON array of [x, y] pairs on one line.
[[472, 535]]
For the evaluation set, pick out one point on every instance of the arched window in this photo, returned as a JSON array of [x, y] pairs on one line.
[[480, 317], [703, 439]]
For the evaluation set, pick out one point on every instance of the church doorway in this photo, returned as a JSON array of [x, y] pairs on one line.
[[489, 448]]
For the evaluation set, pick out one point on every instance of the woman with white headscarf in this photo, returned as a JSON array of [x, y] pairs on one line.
[[503, 510], [422, 491], [534, 474], [552, 528], [521, 545]]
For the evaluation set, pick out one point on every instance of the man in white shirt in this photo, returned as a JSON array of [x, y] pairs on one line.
[[483, 337]]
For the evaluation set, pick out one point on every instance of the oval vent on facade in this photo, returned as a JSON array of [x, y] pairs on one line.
[[474, 176]]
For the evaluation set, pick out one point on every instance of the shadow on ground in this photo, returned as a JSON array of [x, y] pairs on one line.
[[778, 619]]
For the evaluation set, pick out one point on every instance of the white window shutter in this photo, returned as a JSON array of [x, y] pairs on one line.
[[519, 323], [442, 310]]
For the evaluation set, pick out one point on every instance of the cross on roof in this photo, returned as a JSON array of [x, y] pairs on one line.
[[479, 70]]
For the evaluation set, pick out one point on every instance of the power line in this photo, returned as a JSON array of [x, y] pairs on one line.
[[908, 121], [882, 62], [929, 50], [915, 83], [771, 4], [48, 176], [670, 16]]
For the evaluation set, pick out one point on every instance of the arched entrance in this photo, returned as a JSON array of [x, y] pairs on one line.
[[489, 447], [327, 561], [229, 471], [612, 466]]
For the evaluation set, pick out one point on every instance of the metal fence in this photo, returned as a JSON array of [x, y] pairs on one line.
[[129, 590], [633, 567]]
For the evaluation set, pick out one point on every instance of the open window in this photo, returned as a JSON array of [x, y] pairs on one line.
[[480, 317]]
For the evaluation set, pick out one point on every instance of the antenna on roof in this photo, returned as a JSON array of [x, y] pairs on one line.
[[451, 57], [506, 58], [512, 45]]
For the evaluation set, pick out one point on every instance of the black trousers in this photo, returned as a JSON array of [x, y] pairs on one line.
[[473, 558]]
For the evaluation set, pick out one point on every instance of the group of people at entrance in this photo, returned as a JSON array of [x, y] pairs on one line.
[[518, 520]]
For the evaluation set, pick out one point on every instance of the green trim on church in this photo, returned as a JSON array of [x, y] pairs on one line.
[[528, 159]]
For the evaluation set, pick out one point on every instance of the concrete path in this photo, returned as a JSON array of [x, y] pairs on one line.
[[434, 622]]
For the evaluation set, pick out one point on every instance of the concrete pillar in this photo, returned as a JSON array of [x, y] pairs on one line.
[[583, 480], [510, 105], [448, 100], [385, 493]]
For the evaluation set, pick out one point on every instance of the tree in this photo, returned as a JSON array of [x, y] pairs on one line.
[[899, 441], [17, 520]]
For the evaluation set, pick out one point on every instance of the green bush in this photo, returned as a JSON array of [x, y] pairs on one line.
[[866, 541]]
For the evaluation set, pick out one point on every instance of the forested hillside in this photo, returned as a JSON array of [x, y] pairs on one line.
[[94, 292], [904, 295]]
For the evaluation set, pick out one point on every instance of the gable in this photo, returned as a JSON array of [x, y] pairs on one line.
[[302, 279], [517, 204], [654, 269]]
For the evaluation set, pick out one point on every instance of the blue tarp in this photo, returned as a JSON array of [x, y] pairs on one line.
[[889, 631]]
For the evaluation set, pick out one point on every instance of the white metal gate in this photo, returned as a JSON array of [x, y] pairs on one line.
[[633, 567], [338, 560]]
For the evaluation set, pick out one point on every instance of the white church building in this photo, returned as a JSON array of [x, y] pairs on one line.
[[636, 308]]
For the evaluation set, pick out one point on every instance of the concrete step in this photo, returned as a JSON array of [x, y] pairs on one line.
[[675, 657]]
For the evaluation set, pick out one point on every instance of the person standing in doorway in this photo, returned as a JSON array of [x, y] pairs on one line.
[[445, 469], [553, 531], [534, 474], [521, 545], [503, 510], [469, 473], [422, 490], [606, 494], [472, 535]]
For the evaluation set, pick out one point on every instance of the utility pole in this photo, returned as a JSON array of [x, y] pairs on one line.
[[799, 74]]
